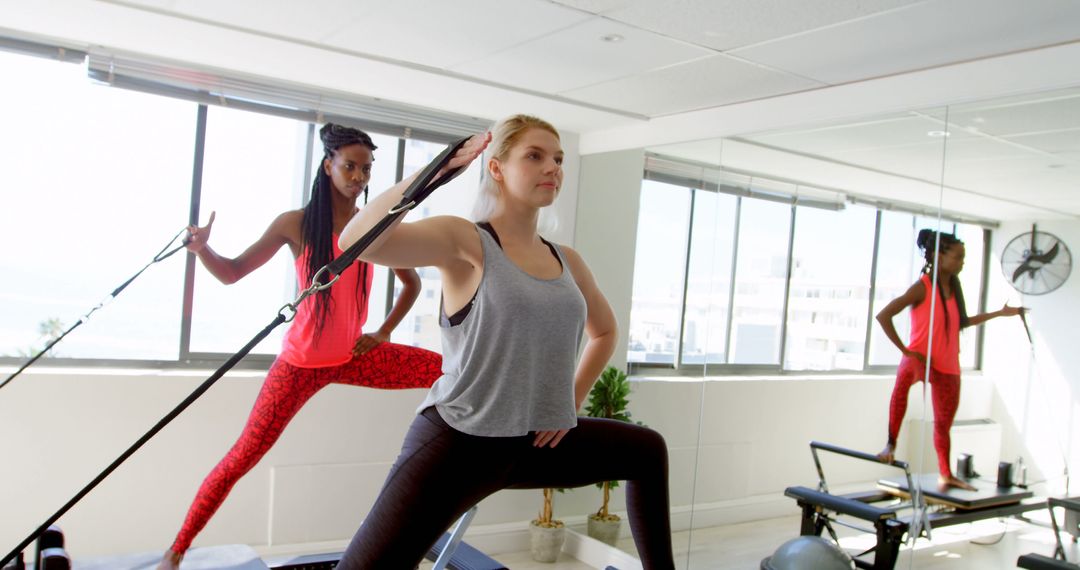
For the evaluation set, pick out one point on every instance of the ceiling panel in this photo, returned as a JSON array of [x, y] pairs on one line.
[[1058, 143], [302, 20], [594, 6], [577, 57], [717, 80], [920, 36], [446, 34], [1036, 116], [923, 161], [737, 23], [983, 149], [892, 132]]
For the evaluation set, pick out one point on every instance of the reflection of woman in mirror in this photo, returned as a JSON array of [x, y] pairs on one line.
[[949, 316]]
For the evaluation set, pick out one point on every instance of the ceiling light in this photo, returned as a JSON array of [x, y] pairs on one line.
[[938, 133], [612, 38]]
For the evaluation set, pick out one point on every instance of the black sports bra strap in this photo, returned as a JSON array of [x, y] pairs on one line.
[[494, 235]]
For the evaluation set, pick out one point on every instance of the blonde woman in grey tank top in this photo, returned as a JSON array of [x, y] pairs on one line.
[[514, 310]]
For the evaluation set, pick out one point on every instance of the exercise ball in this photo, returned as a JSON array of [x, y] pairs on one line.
[[808, 553]]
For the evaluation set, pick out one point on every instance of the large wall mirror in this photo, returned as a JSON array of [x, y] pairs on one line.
[[761, 263]]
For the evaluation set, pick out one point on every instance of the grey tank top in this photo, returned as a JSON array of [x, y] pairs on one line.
[[508, 367]]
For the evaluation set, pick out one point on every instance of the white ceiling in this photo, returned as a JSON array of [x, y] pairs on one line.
[[682, 70]]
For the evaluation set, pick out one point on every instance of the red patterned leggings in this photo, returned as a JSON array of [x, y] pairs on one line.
[[286, 389], [945, 395]]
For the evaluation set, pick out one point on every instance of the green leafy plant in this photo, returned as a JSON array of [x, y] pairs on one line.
[[48, 330], [608, 399]]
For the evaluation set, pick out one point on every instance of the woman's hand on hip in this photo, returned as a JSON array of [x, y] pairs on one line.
[[366, 342], [549, 438], [916, 355]]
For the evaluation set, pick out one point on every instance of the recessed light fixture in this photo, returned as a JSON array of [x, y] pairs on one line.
[[612, 38], [938, 133]]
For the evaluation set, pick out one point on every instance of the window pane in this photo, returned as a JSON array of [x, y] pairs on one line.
[[711, 242], [898, 265], [253, 171], [971, 283], [98, 180], [659, 266], [420, 327], [830, 289], [760, 276]]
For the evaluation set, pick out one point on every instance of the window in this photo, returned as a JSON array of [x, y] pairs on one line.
[[760, 279], [102, 192], [253, 170], [455, 198], [709, 279], [656, 303], [92, 194], [899, 263], [733, 299], [830, 288], [971, 279]]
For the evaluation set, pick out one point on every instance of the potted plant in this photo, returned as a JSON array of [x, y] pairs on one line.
[[608, 399], [546, 533]]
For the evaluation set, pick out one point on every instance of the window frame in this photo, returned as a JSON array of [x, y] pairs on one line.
[[678, 369]]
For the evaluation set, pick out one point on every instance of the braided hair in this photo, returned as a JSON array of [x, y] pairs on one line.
[[317, 224], [929, 239]]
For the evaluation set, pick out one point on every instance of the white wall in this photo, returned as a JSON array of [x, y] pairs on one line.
[[607, 213], [1037, 392]]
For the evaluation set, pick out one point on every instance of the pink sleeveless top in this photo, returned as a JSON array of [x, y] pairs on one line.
[[945, 354], [348, 312]]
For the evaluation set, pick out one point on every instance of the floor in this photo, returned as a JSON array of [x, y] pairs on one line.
[[986, 545]]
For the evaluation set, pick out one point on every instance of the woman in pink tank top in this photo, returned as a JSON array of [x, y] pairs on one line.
[[936, 335], [325, 343]]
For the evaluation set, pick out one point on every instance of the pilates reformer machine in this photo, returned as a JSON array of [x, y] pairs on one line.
[[901, 507]]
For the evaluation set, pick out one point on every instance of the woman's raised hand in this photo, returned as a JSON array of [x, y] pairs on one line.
[[1007, 311], [197, 237], [472, 148]]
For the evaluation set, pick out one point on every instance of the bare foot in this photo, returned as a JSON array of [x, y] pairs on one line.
[[171, 560], [887, 455], [952, 481]]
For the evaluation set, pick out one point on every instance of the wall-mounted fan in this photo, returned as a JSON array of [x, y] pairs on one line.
[[1036, 263]]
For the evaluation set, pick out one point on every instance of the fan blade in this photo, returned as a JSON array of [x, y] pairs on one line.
[[1048, 256], [1020, 270]]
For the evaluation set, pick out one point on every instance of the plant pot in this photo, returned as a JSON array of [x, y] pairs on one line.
[[605, 530], [546, 542]]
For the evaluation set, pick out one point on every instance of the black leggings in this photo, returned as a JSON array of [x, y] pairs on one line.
[[442, 472]]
